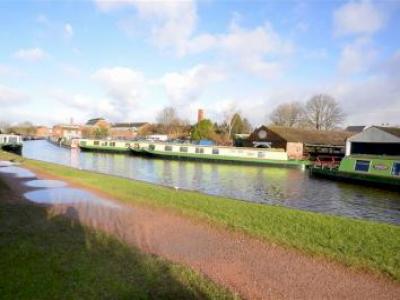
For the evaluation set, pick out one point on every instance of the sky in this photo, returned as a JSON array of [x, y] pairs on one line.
[[125, 60]]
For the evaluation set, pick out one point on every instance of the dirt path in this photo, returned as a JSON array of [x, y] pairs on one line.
[[254, 269]]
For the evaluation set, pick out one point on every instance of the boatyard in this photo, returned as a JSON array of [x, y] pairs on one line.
[[186, 149]]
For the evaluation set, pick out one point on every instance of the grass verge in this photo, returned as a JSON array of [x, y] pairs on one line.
[[361, 244], [53, 257]]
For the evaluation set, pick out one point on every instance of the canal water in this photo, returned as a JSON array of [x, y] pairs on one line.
[[269, 185]]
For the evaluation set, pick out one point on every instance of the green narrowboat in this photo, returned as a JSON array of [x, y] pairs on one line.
[[377, 170], [11, 143], [112, 146], [220, 154]]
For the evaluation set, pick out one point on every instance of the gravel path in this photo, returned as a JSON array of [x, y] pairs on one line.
[[253, 269]]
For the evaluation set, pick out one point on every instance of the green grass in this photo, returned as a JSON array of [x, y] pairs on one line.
[[361, 244], [52, 257]]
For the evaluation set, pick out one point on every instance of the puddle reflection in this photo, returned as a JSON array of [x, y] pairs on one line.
[[46, 183], [17, 171], [5, 163], [67, 196]]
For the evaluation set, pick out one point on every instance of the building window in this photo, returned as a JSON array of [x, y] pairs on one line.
[[199, 150], [96, 143], [362, 165], [261, 154], [183, 149], [168, 148], [215, 151], [396, 169]]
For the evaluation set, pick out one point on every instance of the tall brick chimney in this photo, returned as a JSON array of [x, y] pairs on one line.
[[200, 115]]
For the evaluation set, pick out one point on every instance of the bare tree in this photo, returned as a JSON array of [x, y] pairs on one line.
[[323, 112], [169, 123], [167, 116], [288, 114]]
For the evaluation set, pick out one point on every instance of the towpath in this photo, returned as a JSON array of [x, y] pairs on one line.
[[252, 268]]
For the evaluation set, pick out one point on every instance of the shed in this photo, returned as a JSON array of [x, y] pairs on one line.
[[300, 142], [376, 140]]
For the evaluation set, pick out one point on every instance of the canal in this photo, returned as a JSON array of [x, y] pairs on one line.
[[269, 185]]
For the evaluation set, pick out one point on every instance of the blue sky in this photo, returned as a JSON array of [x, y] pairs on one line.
[[125, 60]]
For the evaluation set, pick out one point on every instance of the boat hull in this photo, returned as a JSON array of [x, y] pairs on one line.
[[220, 158], [14, 148], [363, 179], [108, 149]]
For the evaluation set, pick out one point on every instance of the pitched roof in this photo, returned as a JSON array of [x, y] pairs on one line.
[[312, 136], [94, 121], [129, 125], [355, 128], [391, 130]]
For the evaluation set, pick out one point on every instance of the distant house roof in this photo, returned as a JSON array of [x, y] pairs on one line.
[[94, 121], [312, 136], [391, 130], [356, 129], [129, 125]]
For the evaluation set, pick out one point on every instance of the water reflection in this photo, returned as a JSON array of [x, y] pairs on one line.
[[39, 183], [270, 185], [66, 196], [5, 163], [18, 172]]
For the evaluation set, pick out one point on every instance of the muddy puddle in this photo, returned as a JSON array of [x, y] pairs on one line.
[[40, 183], [17, 171]]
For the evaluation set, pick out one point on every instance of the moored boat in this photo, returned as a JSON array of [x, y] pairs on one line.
[[377, 170], [11, 143], [114, 146], [260, 156]]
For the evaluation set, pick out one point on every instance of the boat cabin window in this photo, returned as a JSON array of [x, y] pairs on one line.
[[396, 169], [104, 143], [261, 154], [5, 140], [83, 143], [152, 147], [215, 151], [168, 148], [112, 144], [127, 144], [136, 145], [96, 143], [199, 150], [183, 149], [362, 165]]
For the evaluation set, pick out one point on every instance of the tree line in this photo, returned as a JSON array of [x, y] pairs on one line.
[[321, 112], [24, 128], [168, 122]]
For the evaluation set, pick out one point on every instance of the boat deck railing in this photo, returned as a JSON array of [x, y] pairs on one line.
[[331, 162]]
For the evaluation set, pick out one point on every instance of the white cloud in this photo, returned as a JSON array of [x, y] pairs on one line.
[[68, 31], [42, 19], [172, 22], [357, 57], [31, 55], [11, 97], [185, 87], [124, 85], [361, 17]]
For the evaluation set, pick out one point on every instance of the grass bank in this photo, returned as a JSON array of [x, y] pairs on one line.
[[357, 243], [52, 257]]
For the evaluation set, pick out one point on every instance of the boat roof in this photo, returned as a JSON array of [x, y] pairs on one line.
[[374, 156]]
